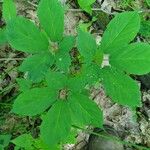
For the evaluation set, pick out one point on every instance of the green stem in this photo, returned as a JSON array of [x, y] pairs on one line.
[[112, 138]]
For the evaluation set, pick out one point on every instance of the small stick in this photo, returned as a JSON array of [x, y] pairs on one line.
[[11, 59], [34, 5]]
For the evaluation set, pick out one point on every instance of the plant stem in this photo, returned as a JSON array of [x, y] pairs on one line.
[[112, 138]]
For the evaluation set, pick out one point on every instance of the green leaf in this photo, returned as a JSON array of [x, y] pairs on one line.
[[37, 66], [56, 124], [71, 138], [145, 28], [84, 26], [120, 87], [9, 10], [56, 147], [24, 84], [148, 2], [56, 80], [84, 111], [133, 59], [76, 84], [24, 141], [86, 5], [39, 144], [51, 16], [90, 73], [24, 36], [98, 57], [67, 43], [5, 139], [1, 147], [63, 60], [3, 38], [86, 45], [34, 101], [120, 31], [17, 148]]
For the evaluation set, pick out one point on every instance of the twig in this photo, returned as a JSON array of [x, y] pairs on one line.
[[7, 88], [144, 11], [11, 59], [32, 4], [93, 9], [99, 9]]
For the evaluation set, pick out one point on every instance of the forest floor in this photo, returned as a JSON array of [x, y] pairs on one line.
[[131, 126]]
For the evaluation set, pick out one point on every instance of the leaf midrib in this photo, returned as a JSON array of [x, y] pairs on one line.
[[109, 43]]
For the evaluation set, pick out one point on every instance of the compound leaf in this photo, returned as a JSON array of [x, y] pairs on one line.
[[24, 36], [37, 66], [86, 45], [51, 16], [56, 124], [84, 111], [9, 10], [133, 59], [34, 101], [121, 88], [120, 31], [3, 38], [86, 5]]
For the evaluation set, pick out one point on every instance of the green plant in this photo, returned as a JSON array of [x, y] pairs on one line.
[[54, 88], [145, 28], [86, 5], [125, 3], [4, 141], [148, 2], [27, 142]]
